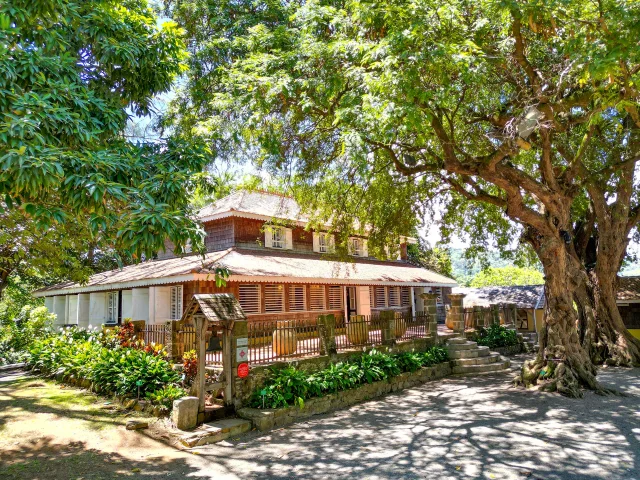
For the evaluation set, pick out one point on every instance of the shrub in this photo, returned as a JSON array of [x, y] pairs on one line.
[[166, 395], [17, 335], [124, 371], [288, 386], [189, 366], [496, 336]]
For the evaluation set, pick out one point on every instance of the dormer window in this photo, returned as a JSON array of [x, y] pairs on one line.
[[278, 237], [323, 242]]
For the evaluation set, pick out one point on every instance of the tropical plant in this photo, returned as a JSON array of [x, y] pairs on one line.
[[290, 386], [189, 366], [18, 334], [166, 395], [496, 336]]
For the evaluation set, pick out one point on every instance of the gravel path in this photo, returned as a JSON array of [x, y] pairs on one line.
[[456, 428]]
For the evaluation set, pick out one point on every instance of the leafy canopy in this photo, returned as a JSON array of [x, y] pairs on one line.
[[507, 276], [505, 111], [69, 73]]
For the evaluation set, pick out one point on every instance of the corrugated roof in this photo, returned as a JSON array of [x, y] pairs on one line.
[[525, 296], [259, 266], [255, 203], [628, 289]]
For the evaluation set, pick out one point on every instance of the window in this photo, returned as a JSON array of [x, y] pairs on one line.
[[438, 290], [394, 296], [356, 247], [249, 298], [317, 297], [406, 296], [273, 298], [112, 307], [296, 298], [381, 297], [278, 238], [176, 302], [335, 298], [322, 242]]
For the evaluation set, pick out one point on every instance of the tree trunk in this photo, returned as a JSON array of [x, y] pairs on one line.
[[562, 362], [611, 342]]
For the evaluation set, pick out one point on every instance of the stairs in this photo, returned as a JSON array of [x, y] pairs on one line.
[[530, 340], [469, 358]]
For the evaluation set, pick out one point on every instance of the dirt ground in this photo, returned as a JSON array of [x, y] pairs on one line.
[[456, 428]]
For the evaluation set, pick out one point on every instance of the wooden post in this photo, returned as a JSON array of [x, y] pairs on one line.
[[201, 324]]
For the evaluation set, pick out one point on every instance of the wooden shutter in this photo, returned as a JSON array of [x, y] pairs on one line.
[[176, 302], [249, 298], [335, 297], [381, 297], [394, 296], [317, 297], [316, 242], [273, 298], [406, 297], [297, 298]]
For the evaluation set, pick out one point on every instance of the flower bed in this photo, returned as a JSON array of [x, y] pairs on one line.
[[290, 386], [99, 360]]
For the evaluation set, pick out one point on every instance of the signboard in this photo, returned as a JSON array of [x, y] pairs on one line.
[[242, 354], [243, 370], [242, 342]]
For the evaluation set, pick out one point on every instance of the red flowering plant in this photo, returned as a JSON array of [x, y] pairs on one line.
[[189, 366]]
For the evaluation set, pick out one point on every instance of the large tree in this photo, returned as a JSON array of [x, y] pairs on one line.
[[527, 108], [71, 74]]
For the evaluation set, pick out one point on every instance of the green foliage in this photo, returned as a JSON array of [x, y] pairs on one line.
[[166, 395], [118, 370], [496, 336], [71, 73], [17, 335], [507, 276], [436, 259], [290, 386]]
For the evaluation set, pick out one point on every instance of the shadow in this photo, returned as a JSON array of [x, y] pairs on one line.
[[43, 459], [456, 428]]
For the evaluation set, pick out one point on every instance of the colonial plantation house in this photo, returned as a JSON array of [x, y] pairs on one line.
[[278, 269]]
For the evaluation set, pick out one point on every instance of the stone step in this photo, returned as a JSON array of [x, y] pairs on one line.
[[475, 369], [214, 432], [485, 360], [456, 341], [461, 346], [476, 352]]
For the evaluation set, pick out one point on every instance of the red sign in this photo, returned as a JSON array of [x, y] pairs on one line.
[[243, 370]]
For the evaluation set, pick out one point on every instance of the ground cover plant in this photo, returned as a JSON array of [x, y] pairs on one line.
[[496, 336], [135, 370], [289, 386]]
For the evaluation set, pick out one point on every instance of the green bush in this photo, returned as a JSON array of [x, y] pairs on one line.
[[18, 334], [496, 336], [289, 386], [166, 395], [123, 371]]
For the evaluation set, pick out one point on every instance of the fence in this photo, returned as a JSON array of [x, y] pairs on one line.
[[275, 340], [503, 314], [358, 331], [155, 334]]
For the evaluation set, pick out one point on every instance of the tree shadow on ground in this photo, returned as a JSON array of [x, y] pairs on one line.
[[458, 428], [43, 459]]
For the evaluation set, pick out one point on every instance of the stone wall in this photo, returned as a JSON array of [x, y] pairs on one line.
[[266, 419]]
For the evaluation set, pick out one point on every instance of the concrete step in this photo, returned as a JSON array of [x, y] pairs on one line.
[[474, 353], [486, 360], [456, 341], [214, 432], [475, 369], [461, 346]]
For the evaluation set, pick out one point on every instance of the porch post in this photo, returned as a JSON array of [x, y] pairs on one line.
[[412, 299]]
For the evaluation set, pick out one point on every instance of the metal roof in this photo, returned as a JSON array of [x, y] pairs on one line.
[[247, 265], [525, 296]]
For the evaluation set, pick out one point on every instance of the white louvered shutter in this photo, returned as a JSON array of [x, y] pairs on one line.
[[331, 243], [316, 292], [289, 239], [176, 302], [249, 298], [316, 242], [363, 248], [268, 237]]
